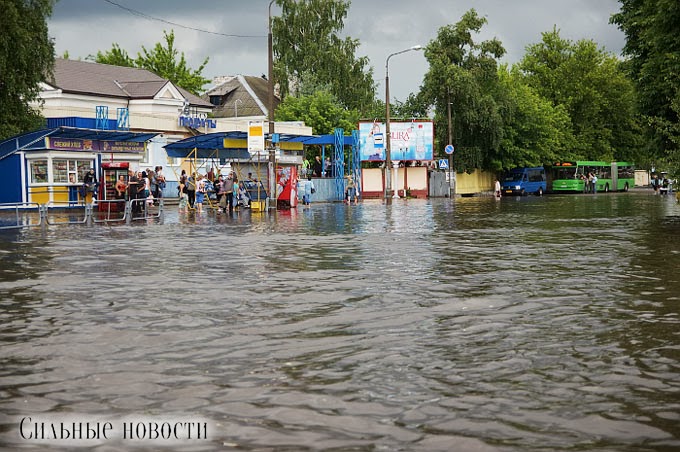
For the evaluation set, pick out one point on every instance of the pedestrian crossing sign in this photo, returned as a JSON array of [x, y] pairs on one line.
[[443, 164]]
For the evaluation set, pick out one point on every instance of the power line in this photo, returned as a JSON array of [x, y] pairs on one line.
[[148, 17]]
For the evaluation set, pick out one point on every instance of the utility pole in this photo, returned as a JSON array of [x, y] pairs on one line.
[[270, 76], [452, 182]]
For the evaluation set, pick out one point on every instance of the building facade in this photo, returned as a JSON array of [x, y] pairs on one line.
[[104, 98]]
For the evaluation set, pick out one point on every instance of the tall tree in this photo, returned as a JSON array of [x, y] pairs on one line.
[[464, 73], [161, 60], [309, 51], [26, 59], [534, 131], [592, 87], [653, 51]]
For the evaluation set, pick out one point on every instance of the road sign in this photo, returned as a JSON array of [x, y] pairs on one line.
[[449, 149], [443, 163]]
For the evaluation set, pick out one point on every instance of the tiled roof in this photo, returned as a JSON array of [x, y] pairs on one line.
[[96, 79], [247, 95]]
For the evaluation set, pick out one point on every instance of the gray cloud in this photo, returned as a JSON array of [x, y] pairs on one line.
[[82, 27]]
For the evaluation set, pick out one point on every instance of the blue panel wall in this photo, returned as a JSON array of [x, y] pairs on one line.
[[81, 123], [10, 168]]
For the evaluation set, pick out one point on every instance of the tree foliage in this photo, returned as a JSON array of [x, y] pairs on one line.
[[321, 111], [310, 55], [26, 59], [591, 86], [653, 63], [464, 73], [115, 57], [165, 61], [534, 131]]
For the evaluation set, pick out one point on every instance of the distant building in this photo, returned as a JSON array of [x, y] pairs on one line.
[[106, 97], [240, 96]]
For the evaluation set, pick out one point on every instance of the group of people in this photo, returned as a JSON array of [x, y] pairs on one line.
[[148, 185], [589, 183], [144, 186], [317, 167], [661, 184], [230, 192]]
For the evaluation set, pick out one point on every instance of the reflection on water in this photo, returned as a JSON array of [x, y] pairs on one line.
[[521, 324]]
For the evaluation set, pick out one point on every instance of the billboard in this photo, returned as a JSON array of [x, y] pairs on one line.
[[410, 140]]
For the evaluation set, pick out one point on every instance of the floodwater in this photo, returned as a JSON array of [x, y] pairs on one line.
[[525, 324]]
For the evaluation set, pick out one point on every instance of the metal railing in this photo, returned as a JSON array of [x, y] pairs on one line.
[[65, 213], [110, 211], [25, 215], [32, 214], [144, 209]]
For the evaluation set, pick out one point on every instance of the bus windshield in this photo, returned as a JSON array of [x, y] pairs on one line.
[[565, 173], [513, 177]]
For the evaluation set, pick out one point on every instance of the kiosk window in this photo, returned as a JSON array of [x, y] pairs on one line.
[[39, 173], [70, 171], [83, 166], [60, 170]]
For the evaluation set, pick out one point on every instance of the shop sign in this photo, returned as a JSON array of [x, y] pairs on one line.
[[74, 144], [197, 121]]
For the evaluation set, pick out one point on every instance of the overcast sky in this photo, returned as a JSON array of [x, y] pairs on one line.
[[82, 27]]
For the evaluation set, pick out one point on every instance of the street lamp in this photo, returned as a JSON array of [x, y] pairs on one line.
[[388, 152], [270, 71], [236, 107], [270, 76]]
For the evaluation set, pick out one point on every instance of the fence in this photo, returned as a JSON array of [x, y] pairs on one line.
[[31, 214]]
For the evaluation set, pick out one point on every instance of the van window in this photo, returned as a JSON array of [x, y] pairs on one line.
[[536, 176]]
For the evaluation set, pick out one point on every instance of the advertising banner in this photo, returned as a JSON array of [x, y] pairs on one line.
[[286, 186], [74, 144], [410, 140]]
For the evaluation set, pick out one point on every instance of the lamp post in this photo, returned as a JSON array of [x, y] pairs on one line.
[[270, 76], [388, 149], [236, 107]]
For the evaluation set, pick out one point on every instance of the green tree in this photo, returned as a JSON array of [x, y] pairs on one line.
[[308, 51], [534, 131], [412, 107], [321, 111], [591, 86], [653, 63], [26, 59], [464, 73], [165, 61], [115, 57]]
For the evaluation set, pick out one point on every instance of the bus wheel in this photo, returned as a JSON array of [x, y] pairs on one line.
[[625, 187], [540, 191], [606, 188]]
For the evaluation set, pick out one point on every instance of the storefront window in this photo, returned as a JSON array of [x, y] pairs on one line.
[[83, 168], [39, 171], [60, 170], [70, 171]]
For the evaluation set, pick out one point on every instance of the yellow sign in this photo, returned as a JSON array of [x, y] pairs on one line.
[[255, 136]]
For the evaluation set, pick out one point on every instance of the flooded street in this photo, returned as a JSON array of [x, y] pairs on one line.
[[525, 324]]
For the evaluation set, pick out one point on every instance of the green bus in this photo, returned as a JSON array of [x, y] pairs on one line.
[[572, 176]]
